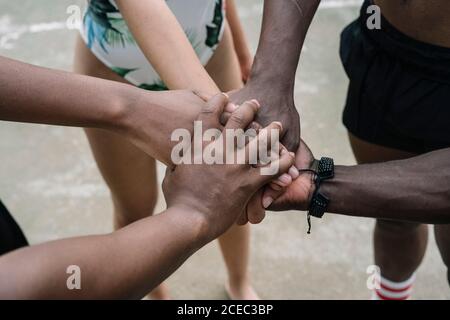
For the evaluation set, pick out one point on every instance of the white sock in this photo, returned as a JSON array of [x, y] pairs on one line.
[[391, 290]]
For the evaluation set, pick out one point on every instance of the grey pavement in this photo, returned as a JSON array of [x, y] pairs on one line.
[[50, 182]]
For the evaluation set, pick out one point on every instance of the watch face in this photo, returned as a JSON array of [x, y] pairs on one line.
[[326, 168], [319, 203]]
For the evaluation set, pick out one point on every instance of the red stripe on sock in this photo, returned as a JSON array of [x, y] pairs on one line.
[[382, 297], [395, 290]]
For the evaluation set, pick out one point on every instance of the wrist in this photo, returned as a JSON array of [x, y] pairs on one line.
[[305, 188], [121, 109], [336, 188], [272, 80], [195, 224], [311, 190], [321, 171]]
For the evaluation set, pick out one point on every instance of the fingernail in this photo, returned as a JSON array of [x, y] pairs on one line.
[[256, 102], [267, 201], [279, 124], [293, 172], [231, 107], [276, 186], [285, 178]]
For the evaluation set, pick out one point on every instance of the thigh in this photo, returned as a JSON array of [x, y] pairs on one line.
[[366, 152], [224, 66], [129, 172], [442, 235]]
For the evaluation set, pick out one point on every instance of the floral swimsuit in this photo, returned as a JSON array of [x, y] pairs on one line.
[[106, 34]]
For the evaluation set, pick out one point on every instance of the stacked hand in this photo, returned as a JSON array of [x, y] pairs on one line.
[[251, 193], [221, 192], [298, 194], [293, 192], [274, 107]]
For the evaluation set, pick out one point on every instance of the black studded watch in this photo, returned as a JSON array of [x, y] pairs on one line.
[[324, 170]]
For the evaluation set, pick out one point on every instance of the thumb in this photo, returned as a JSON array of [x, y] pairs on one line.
[[280, 166], [270, 195], [212, 110], [202, 95]]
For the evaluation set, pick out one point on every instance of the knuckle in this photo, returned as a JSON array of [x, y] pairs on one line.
[[237, 118], [207, 111]]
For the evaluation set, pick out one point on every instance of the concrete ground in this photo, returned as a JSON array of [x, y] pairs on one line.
[[51, 184]]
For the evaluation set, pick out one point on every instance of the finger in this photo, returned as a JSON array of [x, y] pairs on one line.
[[293, 171], [242, 220], [266, 174], [224, 118], [212, 110], [255, 211], [243, 116], [255, 126], [270, 195], [202, 95], [275, 186], [261, 146], [229, 109], [283, 181]]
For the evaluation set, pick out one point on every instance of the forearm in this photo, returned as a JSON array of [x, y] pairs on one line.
[[39, 95], [165, 45], [284, 28], [126, 264], [417, 189]]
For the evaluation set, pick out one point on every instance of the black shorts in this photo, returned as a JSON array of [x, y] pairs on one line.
[[11, 236], [399, 92]]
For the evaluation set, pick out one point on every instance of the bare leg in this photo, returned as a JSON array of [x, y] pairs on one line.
[[134, 193], [129, 173], [399, 246], [235, 243], [442, 235]]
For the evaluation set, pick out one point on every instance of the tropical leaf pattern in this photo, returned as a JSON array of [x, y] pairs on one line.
[[213, 30], [122, 71], [105, 28], [158, 86], [105, 25]]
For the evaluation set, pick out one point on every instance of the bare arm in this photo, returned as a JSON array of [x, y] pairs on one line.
[[39, 95], [284, 28], [130, 262], [416, 189], [124, 264], [165, 45]]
